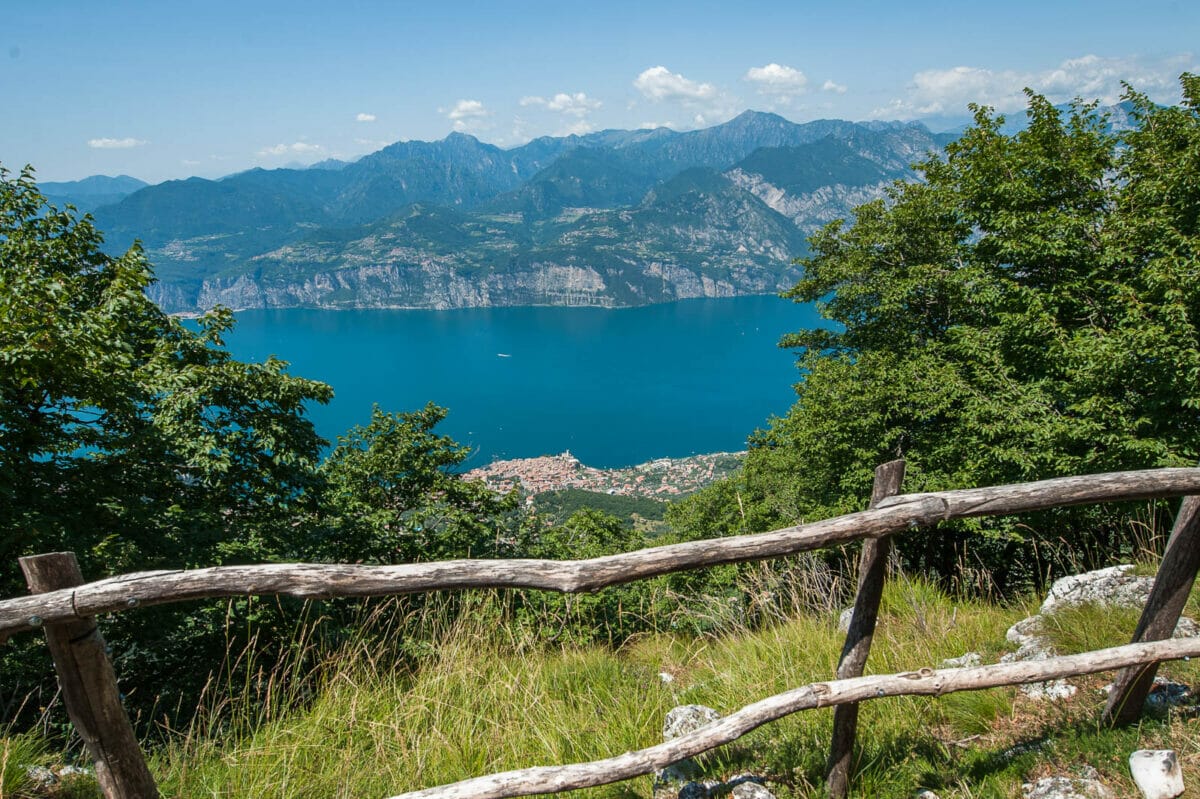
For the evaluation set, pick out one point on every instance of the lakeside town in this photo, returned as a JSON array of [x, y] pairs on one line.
[[663, 478]]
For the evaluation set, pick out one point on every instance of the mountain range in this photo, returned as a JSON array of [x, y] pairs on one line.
[[614, 218], [92, 192]]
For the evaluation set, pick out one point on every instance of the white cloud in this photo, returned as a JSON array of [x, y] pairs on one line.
[[190, 162], [659, 83], [830, 86], [466, 113], [296, 148], [653, 125], [1092, 77], [578, 104], [778, 80], [115, 144], [365, 118], [467, 109], [575, 109], [701, 101]]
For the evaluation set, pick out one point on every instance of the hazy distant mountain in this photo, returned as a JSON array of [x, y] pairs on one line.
[[1118, 117], [330, 163], [610, 218], [247, 212], [91, 192]]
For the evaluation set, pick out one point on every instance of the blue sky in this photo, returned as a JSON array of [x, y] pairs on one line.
[[168, 89]]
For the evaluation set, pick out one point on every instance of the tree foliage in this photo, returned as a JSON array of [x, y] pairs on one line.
[[124, 435], [393, 495], [612, 614], [131, 439], [1028, 310]]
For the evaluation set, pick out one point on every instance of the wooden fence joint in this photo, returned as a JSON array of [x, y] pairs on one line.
[[872, 572], [1164, 606], [89, 685]]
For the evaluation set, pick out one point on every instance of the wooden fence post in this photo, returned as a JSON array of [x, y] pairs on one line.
[[872, 571], [89, 686], [1172, 584]]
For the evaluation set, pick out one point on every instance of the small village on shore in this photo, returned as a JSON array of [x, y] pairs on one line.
[[661, 479]]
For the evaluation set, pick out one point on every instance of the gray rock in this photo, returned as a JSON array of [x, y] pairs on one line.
[[743, 786], [1186, 628], [967, 661], [1157, 773], [695, 790], [680, 721], [925, 793], [751, 790], [1037, 649], [41, 777], [1065, 788], [686, 790], [1054, 690], [1116, 585], [1024, 630], [677, 775], [687, 718], [1032, 645]]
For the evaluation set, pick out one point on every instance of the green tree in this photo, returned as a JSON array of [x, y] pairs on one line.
[[133, 440], [124, 435], [610, 615], [1028, 310], [393, 495]]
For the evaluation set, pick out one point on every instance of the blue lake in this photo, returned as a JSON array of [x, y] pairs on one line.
[[615, 387]]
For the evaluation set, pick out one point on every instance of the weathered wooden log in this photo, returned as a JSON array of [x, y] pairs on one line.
[[926, 682], [89, 686], [323, 581], [872, 573], [1164, 606]]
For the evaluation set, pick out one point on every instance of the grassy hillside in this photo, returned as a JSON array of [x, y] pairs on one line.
[[484, 699]]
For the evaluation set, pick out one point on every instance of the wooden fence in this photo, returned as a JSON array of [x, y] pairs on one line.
[[65, 606]]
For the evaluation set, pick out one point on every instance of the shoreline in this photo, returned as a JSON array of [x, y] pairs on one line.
[[660, 479]]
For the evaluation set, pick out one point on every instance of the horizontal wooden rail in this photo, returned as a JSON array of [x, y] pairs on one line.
[[576, 576], [926, 682]]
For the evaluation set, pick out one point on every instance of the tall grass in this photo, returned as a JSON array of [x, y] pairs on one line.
[[17, 753], [485, 698], [430, 692]]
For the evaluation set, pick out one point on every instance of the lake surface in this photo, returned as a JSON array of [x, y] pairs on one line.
[[615, 387]]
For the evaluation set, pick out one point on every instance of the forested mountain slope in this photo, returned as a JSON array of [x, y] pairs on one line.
[[612, 218]]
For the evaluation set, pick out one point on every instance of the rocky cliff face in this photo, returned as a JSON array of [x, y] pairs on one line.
[[813, 210], [433, 286]]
